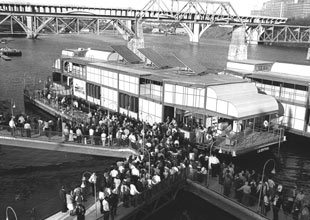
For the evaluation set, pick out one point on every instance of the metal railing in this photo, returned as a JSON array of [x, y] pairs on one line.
[[59, 137]]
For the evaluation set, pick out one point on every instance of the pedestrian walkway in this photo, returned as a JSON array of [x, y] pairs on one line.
[[216, 187], [56, 143]]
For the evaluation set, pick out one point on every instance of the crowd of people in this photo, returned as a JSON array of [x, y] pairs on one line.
[[166, 153]]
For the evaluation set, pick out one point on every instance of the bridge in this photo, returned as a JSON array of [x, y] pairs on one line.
[[195, 16]]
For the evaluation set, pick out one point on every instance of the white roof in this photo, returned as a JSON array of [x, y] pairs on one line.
[[240, 100], [291, 69]]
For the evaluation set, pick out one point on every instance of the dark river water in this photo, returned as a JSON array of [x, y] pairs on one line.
[[30, 177]]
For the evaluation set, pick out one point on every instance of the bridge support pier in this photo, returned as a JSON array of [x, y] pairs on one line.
[[138, 41], [252, 36], [196, 35], [238, 48], [30, 23], [195, 31]]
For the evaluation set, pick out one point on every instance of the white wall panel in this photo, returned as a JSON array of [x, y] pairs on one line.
[[211, 104], [299, 124], [79, 88]]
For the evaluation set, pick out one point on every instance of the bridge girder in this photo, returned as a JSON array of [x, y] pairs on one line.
[[280, 33], [196, 16]]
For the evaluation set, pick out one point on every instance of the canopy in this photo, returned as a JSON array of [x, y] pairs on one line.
[[239, 100]]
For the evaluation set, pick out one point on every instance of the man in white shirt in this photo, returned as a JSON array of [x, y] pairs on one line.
[[106, 209], [91, 135], [12, 126], [133, 192]]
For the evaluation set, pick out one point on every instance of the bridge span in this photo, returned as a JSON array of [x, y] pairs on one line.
[[194, 16]]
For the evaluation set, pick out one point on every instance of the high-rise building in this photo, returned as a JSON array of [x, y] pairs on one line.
[[284, 8]]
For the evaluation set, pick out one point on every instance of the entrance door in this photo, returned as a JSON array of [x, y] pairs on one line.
[[168, 111]]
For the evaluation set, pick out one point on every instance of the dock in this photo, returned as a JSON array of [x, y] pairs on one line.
[[56, 143]]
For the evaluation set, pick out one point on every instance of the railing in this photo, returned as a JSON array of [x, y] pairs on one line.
[[59, 137], [254, 137]]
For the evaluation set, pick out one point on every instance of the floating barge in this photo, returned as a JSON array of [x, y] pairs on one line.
[[236, 118], [7, 51]]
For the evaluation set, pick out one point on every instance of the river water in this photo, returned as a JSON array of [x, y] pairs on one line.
[[29, 177]]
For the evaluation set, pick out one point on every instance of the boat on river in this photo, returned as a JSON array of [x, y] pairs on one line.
[[7, 51], [223, 110], [4, 57]]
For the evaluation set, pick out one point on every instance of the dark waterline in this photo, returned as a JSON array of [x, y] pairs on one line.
[[38, 174]]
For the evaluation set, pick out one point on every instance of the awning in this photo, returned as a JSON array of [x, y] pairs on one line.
[[240, 100]]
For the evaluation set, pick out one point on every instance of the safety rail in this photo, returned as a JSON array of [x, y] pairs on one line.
[[251, 138], [59, 137]]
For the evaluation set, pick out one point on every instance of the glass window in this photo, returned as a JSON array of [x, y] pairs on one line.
[[128, 83]]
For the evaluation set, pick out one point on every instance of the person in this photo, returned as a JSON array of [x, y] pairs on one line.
[[70, 202], [106, 209], [290, 199], [266, 205], [12, 126], [80, 212], [101, 198], [276, 201], [63, 199], [92, 179], [27, 128], [113, 201], [227, 183], [246, 189]]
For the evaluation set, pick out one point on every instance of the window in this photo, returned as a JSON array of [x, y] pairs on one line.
[[93, 90], [128, 83], [182, 95], [151, 88], [128, 102]]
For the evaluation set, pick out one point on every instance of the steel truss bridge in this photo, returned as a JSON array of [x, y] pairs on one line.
[[279, 33], [195, 16]]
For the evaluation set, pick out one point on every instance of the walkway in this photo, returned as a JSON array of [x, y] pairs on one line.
[[216, 187], [56, 143]]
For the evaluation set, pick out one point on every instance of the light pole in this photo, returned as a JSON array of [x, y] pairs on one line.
[[12, 107], [6, 212], [92, 179], [262, 182], [280, 137]]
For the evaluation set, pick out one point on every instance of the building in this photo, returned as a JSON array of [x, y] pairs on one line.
[[154, 90], [284, 8]]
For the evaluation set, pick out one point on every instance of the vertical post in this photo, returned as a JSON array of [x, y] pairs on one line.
[[95, 196], [279, 144]]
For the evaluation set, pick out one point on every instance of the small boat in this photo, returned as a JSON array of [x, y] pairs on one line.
[[10, 51], [4, 57]]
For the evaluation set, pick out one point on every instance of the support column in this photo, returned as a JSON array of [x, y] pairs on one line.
[[29, 22], [196, 33], [137, 42], [238, 47], [253, 37]]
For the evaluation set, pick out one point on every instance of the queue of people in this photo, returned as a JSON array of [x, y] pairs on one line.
[[166, 153]]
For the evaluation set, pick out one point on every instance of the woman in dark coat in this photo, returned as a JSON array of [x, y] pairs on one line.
[[63, 199]]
